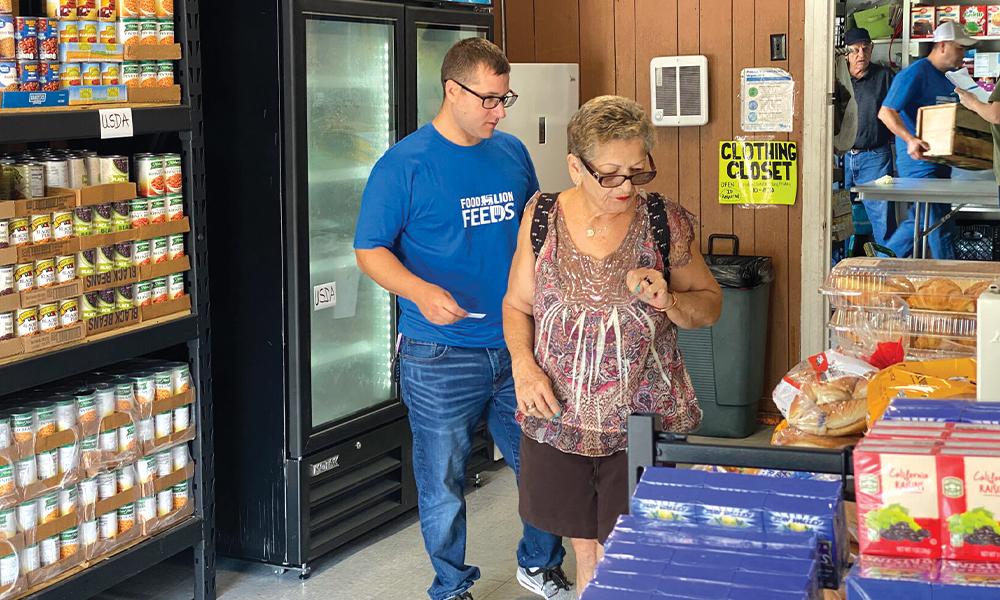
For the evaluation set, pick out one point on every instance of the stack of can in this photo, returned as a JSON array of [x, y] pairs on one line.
[[33, 65], [160, 181], [34, 174]]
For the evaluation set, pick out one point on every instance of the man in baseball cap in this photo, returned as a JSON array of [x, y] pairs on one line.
[[923, 83]]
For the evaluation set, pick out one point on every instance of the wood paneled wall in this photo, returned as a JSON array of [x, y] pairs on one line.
[[613, 41]]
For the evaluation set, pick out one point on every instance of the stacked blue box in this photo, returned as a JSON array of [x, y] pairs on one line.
[[730, 502], [912, 586], [943, 411]]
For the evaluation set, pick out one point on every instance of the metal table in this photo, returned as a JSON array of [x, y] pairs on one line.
[[959, 193]]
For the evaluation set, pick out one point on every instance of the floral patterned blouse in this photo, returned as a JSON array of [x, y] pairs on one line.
[[607, 353]]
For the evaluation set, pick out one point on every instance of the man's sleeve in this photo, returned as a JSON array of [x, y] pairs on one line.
[[900, 91], [384, 207]]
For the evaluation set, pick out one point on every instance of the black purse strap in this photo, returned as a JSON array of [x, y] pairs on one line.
[[656, 206], [540, 221]]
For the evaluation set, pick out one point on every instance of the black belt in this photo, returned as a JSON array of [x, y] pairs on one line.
[[860, 150]]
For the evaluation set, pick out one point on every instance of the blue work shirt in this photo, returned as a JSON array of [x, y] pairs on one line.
[[920, 84]]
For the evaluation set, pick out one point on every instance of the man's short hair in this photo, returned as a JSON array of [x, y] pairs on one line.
[[464, 58]]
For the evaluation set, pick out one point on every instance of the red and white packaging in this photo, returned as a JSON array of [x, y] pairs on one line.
[[897, 498], [993, 20], [921, 21], [949, 12], [974, 19], [970, 504]]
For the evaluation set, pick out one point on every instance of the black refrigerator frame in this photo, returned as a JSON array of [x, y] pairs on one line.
[[289, 492]]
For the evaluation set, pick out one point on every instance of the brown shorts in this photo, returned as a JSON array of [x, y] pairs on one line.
[[571, 495]]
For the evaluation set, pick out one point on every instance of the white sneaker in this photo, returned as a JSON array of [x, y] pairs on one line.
[[547, 583]]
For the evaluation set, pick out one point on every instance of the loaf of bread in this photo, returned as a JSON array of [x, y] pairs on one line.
[[829, 408]]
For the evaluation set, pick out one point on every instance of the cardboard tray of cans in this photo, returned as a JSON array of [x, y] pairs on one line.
[[58, 200], [99, 194], [129, 235], [153, 52], [127, 275]]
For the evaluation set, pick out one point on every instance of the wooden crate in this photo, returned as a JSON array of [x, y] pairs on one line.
[[957, 136]]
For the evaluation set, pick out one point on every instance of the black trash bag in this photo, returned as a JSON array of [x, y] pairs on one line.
[[734, 271]]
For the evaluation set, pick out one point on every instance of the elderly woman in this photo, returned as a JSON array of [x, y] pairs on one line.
[[595, 297]]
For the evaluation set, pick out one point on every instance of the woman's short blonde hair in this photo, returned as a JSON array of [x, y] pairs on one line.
[[607, 118]]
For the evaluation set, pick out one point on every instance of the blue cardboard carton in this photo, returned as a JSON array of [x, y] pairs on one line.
[[668, 476], [596, 591], [680, 505], [737, 510], [870, 588], [679, 587], [656, 553], [789, 514]]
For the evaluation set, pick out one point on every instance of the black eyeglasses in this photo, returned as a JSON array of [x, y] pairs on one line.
[[612, 181], [491, 102]]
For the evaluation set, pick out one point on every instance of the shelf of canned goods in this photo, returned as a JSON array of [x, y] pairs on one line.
[[106, 460]]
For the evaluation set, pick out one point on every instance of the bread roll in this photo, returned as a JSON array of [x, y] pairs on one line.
[[818, 419], [925, 342], [937, 293], [970, 302], [827, 392], [871, 290], [790, 436]]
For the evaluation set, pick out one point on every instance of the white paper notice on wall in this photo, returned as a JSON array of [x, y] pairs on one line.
[[767, 100], [325, 296], [116, 123]]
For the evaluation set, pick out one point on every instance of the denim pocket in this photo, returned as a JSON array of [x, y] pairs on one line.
[[416, 351]]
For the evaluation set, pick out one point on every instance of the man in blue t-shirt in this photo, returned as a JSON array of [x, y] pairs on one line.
[[923, 83], [438, 227]]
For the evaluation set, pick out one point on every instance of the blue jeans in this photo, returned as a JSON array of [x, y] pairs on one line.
[[865, 167], [448, 390], [939, 242]]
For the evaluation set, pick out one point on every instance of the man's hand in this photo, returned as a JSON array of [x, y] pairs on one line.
[[438, 306], [916, 148]]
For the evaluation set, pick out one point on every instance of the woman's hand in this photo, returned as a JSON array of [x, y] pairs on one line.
[[966, 98], [534, 393], [650, 287]]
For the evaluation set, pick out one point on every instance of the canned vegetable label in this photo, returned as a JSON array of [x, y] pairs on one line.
[[102, 215], [142, 293], [164, 425], [24, 276], [114, 169], [48, 317], [151, 174], [161, 291], [123, 255], [83, 221], [41, 229], [69, 542], [131, 74], [164, 73], [148, 72], [158, 210], [175, 286], [8, 522], [110, 72], [65, 268], [26, 321], [89, 31], [45, 272], [71, 75], [90, 73], [175, 207], [160, 249], [141, 253], [67, 458], [149, 29], [69, 31], [175, 246], [164, 381], [164, 503], [45, 420], [6, 483], [128, 31], [89, 305], [19, 231], [86, 405], [139, 212], [69, 311], [128, 8], [165, 33], [164, 9], [85, 262]]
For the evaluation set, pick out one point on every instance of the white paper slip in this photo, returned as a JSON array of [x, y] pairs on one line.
[[964, 81], [476, 315]]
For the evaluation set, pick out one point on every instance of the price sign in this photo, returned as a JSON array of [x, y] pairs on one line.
[[116, 123]]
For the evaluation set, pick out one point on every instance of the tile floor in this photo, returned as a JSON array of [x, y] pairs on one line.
[[387, 565]]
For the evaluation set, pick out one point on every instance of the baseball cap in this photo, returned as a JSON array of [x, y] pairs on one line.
[[949, 31], [856, 35]]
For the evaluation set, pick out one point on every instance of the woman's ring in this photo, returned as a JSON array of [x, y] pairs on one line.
[[638, 288]]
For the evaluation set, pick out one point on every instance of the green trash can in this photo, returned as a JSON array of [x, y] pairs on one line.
[[726, 360]]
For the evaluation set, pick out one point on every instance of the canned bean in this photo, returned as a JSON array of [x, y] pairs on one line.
[[126, 517], [66, 414], [41, 229], [109, 525], [23, 420], [126, 440], [105, 259], [108, 441], [121, 216], [48, 464], [124, 395], [123, 255], [48, 508], [164, 9], [69, 312], [164, 463], [45, 273], [26, 38], [24, 277], [175, 286], [19, 174], [4, 230], [88, 533], [7, 285], [131, 72], [29, 559], [6, 432], [149, 29], [114, 169], [128, 31], [48, 40], [158, 210], [8, 522], [86, 9], [175, 207], [146, 509], [88, 305], [49, 551], [159, 249], [26, 321], [175, 246], [67, 500], [126, 477], [71, 75], [139, 212], [65, 268], [7, 331], [83, 221], [6, 481], [142, 293], [180, 495], [67, 458], [110, 71], [48, 317], [164, 73], [45, 420], [151, 174], [107, 10], [69, 542], [91, 167], [63, 9], [182, 378], [89, 31], [56, 173], [84, 264], [163, 378], [164, 502], [62, 225], [106, 302], [27, 516], [69, 31], [106, 399], [90, 73], [19, 231], [164, 424], [107, 485], [147, 430], [145, 468], [89, 491], [102, 215], [180, 456], [165, 33]]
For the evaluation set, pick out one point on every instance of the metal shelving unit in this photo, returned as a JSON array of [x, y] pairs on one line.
[[192, 332]]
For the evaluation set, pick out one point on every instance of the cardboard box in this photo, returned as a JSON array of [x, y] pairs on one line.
[[948, 12], [105, 239], [157, 95], [150, 52], [100, 194], [115, 320], [142, 233], [34, 99], [993, 20], [974, 19], [957, 136], [115, 278], [23, 254], [74, 52], [152, 271], [59, 337], [52, 294], [922, 21], [98, 94], [11, 348], [24, 208], [10, 303], [155, 311]]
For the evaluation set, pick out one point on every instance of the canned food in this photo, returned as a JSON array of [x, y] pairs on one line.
[[106, 399], [123, 255], [85, 260], [88, 31], [45, 273], [24, 277], [175, 246], [48, 464], [165, 33], [158, 209], [91, 165], [121, 216], [147, 8], [6, 432], [41, 229], [126, 476], [101, 220], [45, 420], [8, 522], [105, 260], [86, 407], [160, 291], [124, 395], [26, 471], [175, 207], [144, 384], [19, 231], [164, 502], [26, 38], [146, 509], [108, 441], [89, 491], [90, 73], [56, 173], [36, 179], [66, 414], [128, 8], [30, 559], [147, 430], [159, 250], [163, 378], [180, 456], [69, 542], [50, 76], [29, 78], [48, 508], [182, 378], [23, 423], [149, 29], [150, 171], [175, 286], [83, 221], [145, 468], [69, 312], [180, 495], [109, 525], [139, 212], [126, 517], [131, 72], [164, 9], [128, 31], [107, 10], [6, 482], [48, 39], [27, 515], [67, 500], [62, 225], [110, 71], [148, 72], [67, 458], [164, 424], [107, 32], [26, 321], [107, 485], [7, 285], [18, 176], [164, 463], [69, 31], [65, 268], [49, 550], [8, 82], [126, 439], [182, 418], [88, 533], [4, 232], [48, 317], [142, 293], [86, 9], [114, 169], [7, 331], [164, 73]]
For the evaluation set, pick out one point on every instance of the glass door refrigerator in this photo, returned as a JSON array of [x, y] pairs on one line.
[[302, 98]]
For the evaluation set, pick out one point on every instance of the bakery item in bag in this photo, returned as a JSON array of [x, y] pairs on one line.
[[938, 293]]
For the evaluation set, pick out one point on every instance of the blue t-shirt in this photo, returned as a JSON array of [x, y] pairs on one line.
[[920, 84], [450, 214]]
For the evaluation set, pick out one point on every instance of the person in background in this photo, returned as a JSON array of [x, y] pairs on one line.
[[871, 156], [990, 112], [923, 83], [591, 324], [438, 227]]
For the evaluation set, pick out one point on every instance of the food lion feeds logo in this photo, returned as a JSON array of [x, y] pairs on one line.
[[487, 209], [952, 487]]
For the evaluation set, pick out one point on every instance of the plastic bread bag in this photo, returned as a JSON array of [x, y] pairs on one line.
[[785, 435], [826, 394]]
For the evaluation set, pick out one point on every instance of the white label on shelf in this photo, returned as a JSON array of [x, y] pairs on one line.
[[325, 296], [116, 123]]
